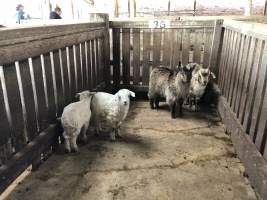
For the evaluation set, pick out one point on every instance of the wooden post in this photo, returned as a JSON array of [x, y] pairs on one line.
[[216, 46], [131, 8], [248, 8], [116, 8], [195, 6], [169, 7], [265, 8]]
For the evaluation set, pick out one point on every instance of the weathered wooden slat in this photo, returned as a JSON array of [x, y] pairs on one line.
[[198, 45], [260, 139], [54, 81], [255, 165], [185, 46], [89, 62], [208, 33], [15, 105], [116, 56], [156, 47], [146, 56], [236, 82], [247, 80], [176, 47], [50, 87], [12, 53], [58, 85], [227, 66], [242, 75], [103, 63], [257, 107], [223, 58], [96, 62], [216, 46], [93, 77], [166, 61], [107, 53], [252, 86], [40, 92], [233, 65], [80, 66], [136, 56], [126, 55], [5, 117]]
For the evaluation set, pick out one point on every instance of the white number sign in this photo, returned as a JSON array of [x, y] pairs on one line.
[[159, 23]]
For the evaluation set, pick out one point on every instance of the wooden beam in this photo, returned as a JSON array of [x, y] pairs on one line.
[[265, 8], [116, 8], [255, 164], [248, 8], [169, 7], [195, 7], [24, 158]]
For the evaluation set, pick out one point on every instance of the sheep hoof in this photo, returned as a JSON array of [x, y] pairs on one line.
[[173, 116], [75, 150], [67, 150]]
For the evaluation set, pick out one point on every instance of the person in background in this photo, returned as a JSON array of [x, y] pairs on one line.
[[56, 13], [20, 14]]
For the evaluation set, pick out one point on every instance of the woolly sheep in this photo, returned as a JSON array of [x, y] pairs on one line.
[[76, 117], [171, 85], [200, 79], [109, 111]]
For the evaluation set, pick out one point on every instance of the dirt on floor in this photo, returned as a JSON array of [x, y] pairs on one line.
[[156, 158]]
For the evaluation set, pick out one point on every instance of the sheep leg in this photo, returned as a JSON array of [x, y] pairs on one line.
[[67, 145], [112, 135], [74, 142], [84, 131]]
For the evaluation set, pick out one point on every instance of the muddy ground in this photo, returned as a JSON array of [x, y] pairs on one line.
[[157, 158]]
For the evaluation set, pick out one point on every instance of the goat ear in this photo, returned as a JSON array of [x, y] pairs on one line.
[[212, 75]]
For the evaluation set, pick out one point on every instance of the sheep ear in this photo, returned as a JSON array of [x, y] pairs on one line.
[[212, 75], [132, 94], [77, 95]]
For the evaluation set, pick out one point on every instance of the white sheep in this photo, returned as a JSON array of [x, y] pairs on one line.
[[109, 111], [76, 118], [200, 79]]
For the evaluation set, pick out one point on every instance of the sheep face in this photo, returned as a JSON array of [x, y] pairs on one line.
[[124, 96], [204, 75], [84, 95]]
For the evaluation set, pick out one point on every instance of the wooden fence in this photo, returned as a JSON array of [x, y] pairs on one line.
[[243, 81], [41, 70], [137, 48]]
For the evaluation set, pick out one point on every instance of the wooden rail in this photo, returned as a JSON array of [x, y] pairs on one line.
[[137, 48], [243, 81], [41, 70]]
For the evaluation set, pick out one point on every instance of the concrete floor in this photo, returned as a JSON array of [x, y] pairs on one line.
[[157, 158]]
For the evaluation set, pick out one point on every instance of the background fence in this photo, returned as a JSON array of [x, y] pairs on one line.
[[137, 49], [41, 70]]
